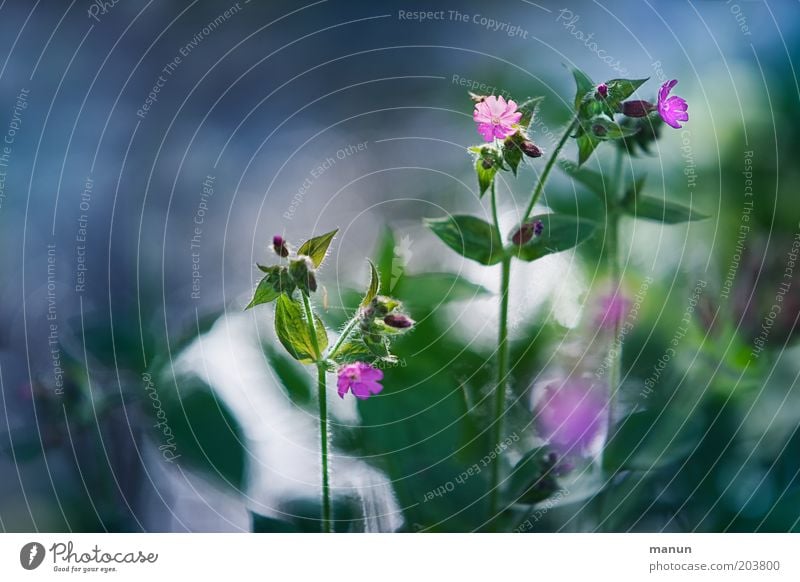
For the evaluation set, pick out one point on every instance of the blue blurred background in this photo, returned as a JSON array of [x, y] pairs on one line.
[[152, 149]]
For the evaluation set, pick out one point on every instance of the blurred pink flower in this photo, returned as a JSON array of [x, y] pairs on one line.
[[671, 109], [572, 415], [361, 379], [496, 117], [612, 309]]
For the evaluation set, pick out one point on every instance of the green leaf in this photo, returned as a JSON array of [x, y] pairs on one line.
[[374, 285], [427, 290], [532, 480], [528, 109], [322, 333], [265, 293], [204, 434], [295, 380], [470, 237], [561, 232], [661, 210], [317, 247], [485, 175], [586, 146], [621, 89], [353, 350], [292, 331], [512, 154], [390, 267], [647, 440], [594, 181], [603, 128], [584, 86], [264, 524]]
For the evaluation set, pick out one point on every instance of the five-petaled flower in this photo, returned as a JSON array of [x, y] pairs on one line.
[[496, 117], [671, 109], [361, 379]]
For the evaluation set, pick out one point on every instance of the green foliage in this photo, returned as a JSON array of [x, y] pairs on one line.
[[294, 333], [561, 232], [470, 237], [317, 248], [374, 285]]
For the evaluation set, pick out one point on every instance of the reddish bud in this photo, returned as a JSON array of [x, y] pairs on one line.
[[530, 149], [602, 91], [279, 246], [637, 108], [398, 321], [526, 232]]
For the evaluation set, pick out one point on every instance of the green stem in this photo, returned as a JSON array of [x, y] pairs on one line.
[[322, 394], [537, 192], [343, 337], [616, 282], [323, 441], [502, 364]]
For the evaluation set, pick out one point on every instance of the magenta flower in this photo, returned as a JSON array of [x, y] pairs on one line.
[[572, 415], [671, 109], [496, 117], [361, 379]]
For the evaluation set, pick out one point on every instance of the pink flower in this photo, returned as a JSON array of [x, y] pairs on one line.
[[496, 117], [361, 379], [613, 308], [572, 415], [671, 109]]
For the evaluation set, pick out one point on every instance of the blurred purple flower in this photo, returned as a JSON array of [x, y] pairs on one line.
[[612, 309], [496, 117], [572, 415], [671, 109], [361, 379]]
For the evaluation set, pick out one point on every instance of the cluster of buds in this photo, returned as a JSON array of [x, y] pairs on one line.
[[384, 315]]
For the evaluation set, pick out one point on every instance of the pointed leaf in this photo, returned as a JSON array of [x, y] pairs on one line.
[[528, 109], [389, 265], [292, 331], [317, 247], [470, 237], [603, 128], [621, 89], [586, 146], [512, 154], [374, 285], [485, 175], [661, 210], [594, 181], [561, 232], [584, 86], [265, 293]]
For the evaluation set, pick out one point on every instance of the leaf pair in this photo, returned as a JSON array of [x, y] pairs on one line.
[[478, 240], [634, 203]]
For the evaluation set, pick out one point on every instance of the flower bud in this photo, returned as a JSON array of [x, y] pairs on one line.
[[530, 149], [301, 271], [527, 231], [486, 163], [637, 108], [279, 246], [476, 98], [602, 91], [398, 321]]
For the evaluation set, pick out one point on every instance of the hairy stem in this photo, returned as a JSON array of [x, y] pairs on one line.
[[343, 337], [537, 191], [322, 394], [323, 441], [502, 363]]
